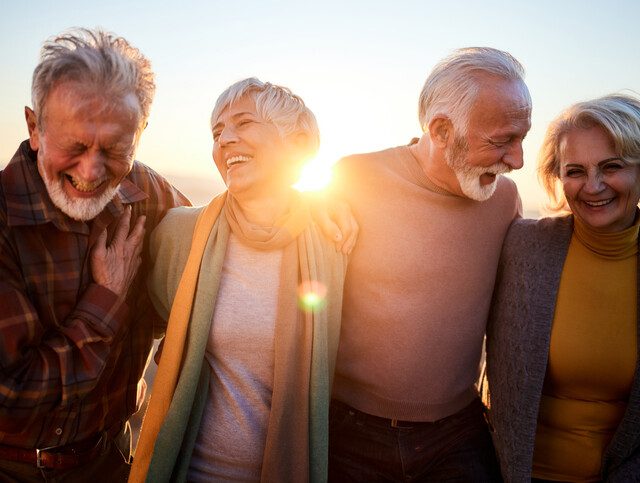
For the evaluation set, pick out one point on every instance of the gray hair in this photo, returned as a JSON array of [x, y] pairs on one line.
[[97, 58], [275, 104], [617, 114], [454, 83]]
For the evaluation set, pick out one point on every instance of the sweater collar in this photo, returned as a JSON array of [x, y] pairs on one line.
[[419, 174], [614, 246]]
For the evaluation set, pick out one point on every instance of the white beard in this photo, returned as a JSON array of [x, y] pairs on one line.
[[469, 176], [83, 209]]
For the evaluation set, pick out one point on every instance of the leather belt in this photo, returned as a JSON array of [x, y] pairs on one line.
[[59, 457], [378, 420]]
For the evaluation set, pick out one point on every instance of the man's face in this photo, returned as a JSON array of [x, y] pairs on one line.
[[498, 123], [86, 144]]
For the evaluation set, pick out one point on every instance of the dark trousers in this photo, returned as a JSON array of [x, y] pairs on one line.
[[110, 466], [366, 448]]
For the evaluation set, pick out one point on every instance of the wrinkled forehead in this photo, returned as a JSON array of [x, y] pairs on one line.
[[503, 106], [511, 95], [71, 99], [227, 106]]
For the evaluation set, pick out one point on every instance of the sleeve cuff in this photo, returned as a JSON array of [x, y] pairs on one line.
[[103, 309]]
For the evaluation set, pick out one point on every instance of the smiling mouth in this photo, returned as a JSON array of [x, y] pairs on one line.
[[487, 178], [595, 204], [84, 186], [232, 161]]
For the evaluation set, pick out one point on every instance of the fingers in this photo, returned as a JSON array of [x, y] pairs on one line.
[[136, 238], [101, 241], [124, 237], [336, 222], [349, 227], [135, 243], [137, 234], [322, 217], [329, 229], [100, 247], [122, 229], [100, 260], [351, 235]]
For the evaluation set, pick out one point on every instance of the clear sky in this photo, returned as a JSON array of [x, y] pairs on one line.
[[359, 65]]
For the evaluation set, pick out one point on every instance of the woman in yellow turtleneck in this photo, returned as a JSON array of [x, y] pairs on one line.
[[562, 339]]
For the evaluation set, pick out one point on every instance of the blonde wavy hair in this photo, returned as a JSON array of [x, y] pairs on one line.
[[617, 114]]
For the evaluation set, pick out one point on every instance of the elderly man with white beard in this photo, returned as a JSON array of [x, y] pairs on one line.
[[432, 219], [76, 324]]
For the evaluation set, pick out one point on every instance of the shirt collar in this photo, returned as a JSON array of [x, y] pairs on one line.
[[28, 202]]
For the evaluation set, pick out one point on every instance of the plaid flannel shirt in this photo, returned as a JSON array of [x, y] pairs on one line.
[[71, 352]]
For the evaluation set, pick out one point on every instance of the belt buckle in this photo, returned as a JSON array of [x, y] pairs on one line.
[[39, 451]]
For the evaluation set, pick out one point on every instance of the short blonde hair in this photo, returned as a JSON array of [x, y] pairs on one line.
[[617, 114], [274, 103]]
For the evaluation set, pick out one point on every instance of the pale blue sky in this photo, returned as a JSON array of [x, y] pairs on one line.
[[358, 65]]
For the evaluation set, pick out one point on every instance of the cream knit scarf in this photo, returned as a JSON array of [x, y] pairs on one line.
[[305, 345]]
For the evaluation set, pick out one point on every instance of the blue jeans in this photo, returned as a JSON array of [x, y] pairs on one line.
[[366, 448]]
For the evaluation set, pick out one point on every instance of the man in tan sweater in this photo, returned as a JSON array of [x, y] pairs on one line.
[[432, 218]]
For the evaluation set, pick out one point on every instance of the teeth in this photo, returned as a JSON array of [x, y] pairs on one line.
[[599, 203], [237, 159], [84, 185]]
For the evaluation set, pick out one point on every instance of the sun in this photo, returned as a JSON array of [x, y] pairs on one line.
[[315, 175]]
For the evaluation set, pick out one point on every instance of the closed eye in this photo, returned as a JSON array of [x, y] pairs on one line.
[[500, 142], [118, 154], [77, 149], [611, 167], [573, 172]]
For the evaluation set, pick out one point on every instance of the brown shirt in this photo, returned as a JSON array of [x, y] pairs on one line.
[[418, 288]]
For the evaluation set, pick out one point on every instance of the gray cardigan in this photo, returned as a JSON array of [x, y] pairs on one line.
[[518, 335]]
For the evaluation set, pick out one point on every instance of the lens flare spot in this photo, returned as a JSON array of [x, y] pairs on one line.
[[312, 295]]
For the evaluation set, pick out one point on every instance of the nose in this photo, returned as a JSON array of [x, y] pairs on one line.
[[594, 183], [91, 166], [227, 135], [514, 157]]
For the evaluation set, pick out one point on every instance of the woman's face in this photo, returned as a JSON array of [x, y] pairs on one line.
[[602, 190], [250, 153]]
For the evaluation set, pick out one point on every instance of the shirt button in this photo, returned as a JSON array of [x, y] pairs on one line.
[[58, 431]]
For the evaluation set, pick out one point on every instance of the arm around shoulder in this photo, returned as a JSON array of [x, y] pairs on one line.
[[169, 248]]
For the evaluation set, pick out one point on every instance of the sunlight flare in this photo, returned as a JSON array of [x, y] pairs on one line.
[[315, 175]]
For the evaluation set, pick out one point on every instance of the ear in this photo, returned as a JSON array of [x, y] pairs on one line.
[[302, 140], [302, 143], [440, 131], [34, 134]]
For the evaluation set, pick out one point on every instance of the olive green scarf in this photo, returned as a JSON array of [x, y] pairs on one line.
[[305, 340]]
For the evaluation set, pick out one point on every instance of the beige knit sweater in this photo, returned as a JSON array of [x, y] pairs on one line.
[[418, 288]]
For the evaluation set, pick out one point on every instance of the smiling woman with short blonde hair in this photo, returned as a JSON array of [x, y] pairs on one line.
[[243, 385], [563, 337]]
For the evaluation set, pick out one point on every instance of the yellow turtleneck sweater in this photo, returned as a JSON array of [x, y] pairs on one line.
[[592, 356]]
